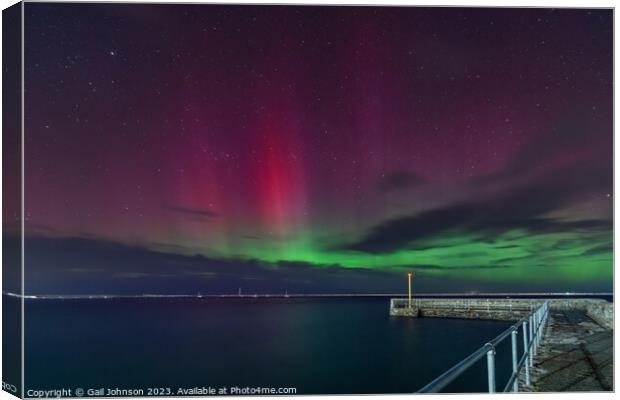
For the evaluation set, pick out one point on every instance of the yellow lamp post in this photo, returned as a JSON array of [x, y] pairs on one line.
[[409, 274]]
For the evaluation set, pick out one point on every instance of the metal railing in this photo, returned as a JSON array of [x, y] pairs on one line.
[[532, 328]]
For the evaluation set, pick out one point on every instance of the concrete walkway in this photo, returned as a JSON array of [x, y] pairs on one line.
[[576, 354]]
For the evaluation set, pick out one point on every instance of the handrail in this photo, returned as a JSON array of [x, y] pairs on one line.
[[447, 377], [533, 324]]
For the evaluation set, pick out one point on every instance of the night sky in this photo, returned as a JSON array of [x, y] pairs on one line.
[[184, 148]]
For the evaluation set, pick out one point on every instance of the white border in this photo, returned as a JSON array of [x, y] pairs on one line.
[[478, 3]]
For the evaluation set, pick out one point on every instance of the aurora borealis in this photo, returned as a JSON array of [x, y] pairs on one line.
[[171, 148]]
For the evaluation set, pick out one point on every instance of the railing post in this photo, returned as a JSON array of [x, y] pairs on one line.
[[527, 364], [540, 326], [491, 369], [539, 319], [532, 348], [515, 386], [535, 332], [543, 320]]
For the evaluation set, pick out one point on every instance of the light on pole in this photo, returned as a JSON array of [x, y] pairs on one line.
[[409, 274]]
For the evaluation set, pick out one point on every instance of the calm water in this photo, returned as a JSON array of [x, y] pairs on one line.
[[317, 346]]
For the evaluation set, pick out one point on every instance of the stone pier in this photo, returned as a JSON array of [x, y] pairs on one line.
[[576, 352], [599, 310]]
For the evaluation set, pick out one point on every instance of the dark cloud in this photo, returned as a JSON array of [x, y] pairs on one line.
[[607, 248], [80, 265], [398, 180], [431, 267], [251, 237], [523, 208], [399, 233], [196, 212], [517, 259]]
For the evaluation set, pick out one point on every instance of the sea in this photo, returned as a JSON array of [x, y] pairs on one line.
[[300, 345]]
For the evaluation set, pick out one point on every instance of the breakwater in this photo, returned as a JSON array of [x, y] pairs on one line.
[[599, 310]]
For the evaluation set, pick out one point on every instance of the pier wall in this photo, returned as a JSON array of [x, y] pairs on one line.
[[499, 309], [603, 314]]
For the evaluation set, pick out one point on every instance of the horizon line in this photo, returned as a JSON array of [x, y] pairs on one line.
[[300, 295]]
